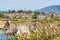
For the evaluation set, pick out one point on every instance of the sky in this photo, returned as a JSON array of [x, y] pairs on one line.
[[26, 4]]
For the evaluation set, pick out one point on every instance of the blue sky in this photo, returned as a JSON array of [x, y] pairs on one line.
[[26, 4]]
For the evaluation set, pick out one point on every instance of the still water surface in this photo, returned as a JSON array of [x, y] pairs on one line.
[[3, 36]]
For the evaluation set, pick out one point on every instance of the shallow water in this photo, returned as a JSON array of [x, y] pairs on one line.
[[3, 36]]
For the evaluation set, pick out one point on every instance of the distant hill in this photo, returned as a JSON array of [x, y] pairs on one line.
[[54, 8]]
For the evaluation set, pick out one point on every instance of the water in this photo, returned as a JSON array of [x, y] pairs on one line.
[[3, 36]]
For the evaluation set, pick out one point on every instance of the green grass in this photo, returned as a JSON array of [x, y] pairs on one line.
[[42, 35], [2, 18]]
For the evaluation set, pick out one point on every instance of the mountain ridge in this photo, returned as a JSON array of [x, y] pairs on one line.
[[53, 8]]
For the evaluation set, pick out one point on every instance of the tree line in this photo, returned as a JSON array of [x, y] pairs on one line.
[[19, 11]]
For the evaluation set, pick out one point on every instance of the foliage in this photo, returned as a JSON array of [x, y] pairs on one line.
[[46, 29], [35, 14]]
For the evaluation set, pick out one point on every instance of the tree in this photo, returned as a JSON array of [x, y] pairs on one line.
[[9, 11], [35, 14], [13, 11], [19, 11], [29, 11]]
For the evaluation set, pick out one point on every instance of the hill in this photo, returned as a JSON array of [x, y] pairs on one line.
[[54, 8]]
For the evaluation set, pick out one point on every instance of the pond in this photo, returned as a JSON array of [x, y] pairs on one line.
[[3, 36]]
